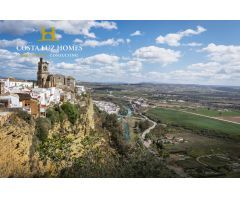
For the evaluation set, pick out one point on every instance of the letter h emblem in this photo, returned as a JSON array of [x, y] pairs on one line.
[[44, 33]]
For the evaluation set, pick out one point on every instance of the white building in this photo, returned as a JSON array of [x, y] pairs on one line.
[[55, 95], [12, 82], [13, 86], [10, 101], [108, 107], [42, 95], [141, 102], [46, 96]]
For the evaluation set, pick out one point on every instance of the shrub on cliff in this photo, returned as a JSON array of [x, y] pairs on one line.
[[42, 127], [71, 110], [53, 115], [25, 116], [111, 123]]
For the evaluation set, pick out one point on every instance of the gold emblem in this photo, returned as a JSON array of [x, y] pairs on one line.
[[45, 33]]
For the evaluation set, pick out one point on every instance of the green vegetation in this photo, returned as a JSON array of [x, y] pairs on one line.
[[110, 125], [116, 134], [141, 163], [214, 112], [67, 110], [56, 114], [195, 123], [158, 132], [71, 110], [95, 160], [123, 111], [99, 162], [102, 153], [25, 116], [56, 148], [142, 125], [43, 125], [214, 162]]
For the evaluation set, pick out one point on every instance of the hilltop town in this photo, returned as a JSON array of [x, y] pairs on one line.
[[35, 97]]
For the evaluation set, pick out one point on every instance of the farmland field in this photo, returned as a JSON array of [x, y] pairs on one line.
[[195, 123], [214, 112]]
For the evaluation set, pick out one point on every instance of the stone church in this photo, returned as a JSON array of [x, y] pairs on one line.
[[46, 80]]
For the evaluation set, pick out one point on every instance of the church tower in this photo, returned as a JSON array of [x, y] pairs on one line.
[[42, 73]]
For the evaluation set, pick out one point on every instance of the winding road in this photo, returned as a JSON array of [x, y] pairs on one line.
[[179, 171], [143, 136]]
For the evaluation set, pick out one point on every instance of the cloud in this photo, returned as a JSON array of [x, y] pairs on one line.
[[103, 67], [155, 54], [173, 39], [105, 24], [98, 59], [229, 54], [202, 66], [96, 43], [193, 44], [111, 68], [77, 40], [186, 76], [8, 58], [13, 64], [223, 59], [128, 40], [136, 33], [99, 67], [71, 27], [134, 66], [222, 67], [12, 43]]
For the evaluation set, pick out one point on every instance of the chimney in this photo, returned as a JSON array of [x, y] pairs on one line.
[[41, 59]]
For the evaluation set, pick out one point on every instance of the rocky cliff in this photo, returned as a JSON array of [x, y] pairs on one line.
[[74, 140], [16, 137], [22, 154]]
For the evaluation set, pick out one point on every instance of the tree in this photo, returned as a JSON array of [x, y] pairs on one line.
[[143, 125], [71, 111], [42, 127], [25, 116], [116, 134]]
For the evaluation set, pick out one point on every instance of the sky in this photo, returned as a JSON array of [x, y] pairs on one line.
[[179, 52]]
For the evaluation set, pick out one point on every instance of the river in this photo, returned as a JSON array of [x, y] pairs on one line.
[[123, 119]]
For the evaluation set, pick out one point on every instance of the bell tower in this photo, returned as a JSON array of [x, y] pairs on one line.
[[42, 73]]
